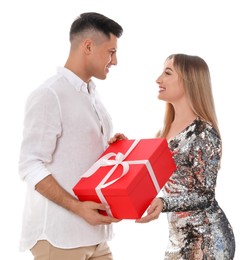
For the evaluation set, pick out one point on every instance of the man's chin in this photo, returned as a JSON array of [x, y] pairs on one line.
[[102, 77]]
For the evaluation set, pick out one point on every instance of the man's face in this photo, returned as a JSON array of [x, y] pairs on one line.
[[103, 55]]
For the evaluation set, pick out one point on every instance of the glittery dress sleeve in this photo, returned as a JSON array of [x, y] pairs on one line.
[[197, 152]]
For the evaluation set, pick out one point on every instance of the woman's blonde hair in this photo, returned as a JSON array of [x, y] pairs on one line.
[[195, 76]]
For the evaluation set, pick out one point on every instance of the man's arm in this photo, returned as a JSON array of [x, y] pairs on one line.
[[88, 210]]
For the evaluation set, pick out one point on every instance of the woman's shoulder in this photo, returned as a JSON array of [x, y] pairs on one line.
[[205, 130]]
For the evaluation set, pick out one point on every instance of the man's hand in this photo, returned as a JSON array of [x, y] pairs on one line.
[[116, 137], [89, 211]]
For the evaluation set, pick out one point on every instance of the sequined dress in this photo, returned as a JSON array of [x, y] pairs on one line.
[[198, 228]]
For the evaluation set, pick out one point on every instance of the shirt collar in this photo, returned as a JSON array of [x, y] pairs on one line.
[[77, 82]]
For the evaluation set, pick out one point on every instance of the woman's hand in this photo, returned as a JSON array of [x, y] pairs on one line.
[[116, 137], [153, 211]]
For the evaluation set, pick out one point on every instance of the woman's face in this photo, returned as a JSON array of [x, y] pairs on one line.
[[170, 86]]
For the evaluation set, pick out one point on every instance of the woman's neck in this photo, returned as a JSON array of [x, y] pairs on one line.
[[180, 122]]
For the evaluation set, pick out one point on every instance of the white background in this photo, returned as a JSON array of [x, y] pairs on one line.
[[34, 41]]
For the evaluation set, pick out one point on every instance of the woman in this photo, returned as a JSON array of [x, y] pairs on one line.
[[198, 228]]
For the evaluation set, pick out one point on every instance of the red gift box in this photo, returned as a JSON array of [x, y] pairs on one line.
[[127, 176]]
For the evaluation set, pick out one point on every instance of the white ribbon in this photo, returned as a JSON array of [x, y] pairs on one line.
[[119, 160]]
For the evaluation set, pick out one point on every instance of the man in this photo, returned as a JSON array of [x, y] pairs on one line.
[[66, 128]]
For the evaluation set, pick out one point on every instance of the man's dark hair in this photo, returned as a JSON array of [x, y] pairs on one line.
[[96, 22]]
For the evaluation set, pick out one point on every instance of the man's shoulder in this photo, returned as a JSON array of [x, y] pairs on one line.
[[46, 89], [52, 82]]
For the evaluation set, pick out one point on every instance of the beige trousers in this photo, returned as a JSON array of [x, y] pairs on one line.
[[43, 250]]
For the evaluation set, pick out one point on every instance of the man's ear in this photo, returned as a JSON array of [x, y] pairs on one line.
[[87, 46]]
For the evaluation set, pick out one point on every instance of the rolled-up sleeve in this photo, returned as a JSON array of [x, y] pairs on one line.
[[42, 128]]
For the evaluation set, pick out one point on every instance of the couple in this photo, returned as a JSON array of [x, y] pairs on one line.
[[66, 128]]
